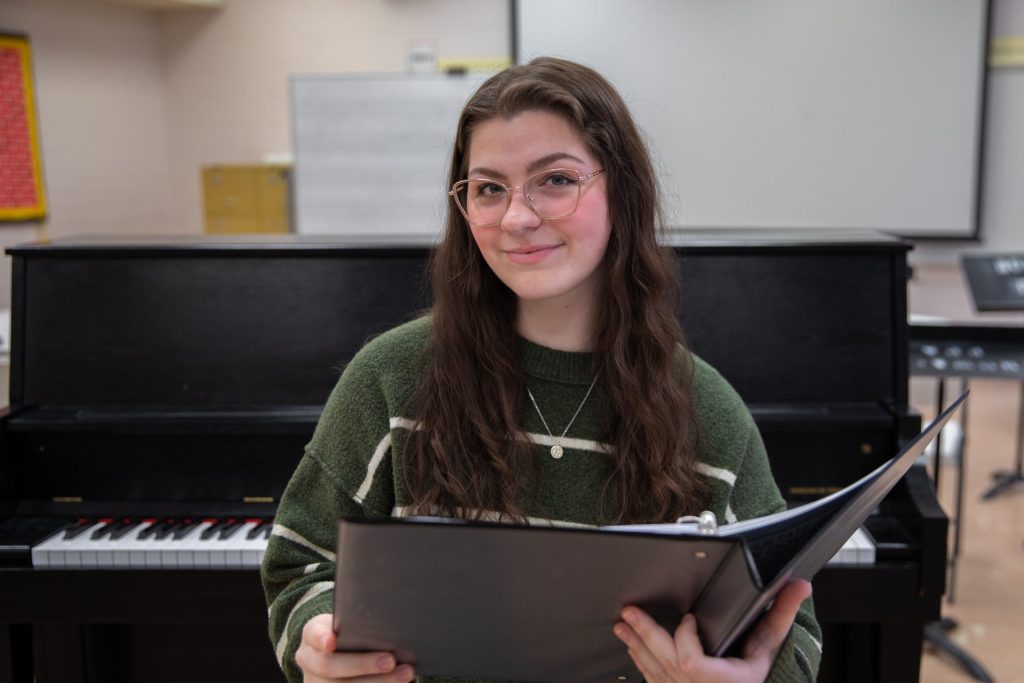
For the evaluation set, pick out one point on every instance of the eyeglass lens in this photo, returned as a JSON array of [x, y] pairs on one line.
[[552, 194]]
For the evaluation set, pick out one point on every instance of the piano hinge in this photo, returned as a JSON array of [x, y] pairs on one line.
[[812, 490], [67, 499], [257, 499]]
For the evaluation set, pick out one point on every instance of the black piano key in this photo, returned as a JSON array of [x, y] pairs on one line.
[[258, 529], [150, 530], [185, 529], [162, 530], [171, 529], [123, 529], [108, 526], [210, 531], [230, 529], [215, 528], [78, 529]]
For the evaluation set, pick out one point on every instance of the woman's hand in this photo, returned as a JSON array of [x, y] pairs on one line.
[[320, 662], [662, 658]]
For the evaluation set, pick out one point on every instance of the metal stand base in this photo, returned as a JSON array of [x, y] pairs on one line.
[[1008, 480], [1004, 481], [935, 632], [935, 636]]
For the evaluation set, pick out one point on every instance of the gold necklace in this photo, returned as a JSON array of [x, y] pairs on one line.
[[556, 450]]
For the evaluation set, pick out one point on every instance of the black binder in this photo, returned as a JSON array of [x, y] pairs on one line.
[[479, 599]]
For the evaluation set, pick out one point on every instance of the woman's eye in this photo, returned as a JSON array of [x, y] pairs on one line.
[[558, 179], [489, 190]]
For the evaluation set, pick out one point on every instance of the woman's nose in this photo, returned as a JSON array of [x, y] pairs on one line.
[[520, 215]]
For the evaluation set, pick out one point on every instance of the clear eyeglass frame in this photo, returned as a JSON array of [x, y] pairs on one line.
[[510, 189]]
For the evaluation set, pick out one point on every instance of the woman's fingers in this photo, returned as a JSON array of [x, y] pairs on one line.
[[769, 634], [650, 646], [319, 661], [319, 633], [664, 658]]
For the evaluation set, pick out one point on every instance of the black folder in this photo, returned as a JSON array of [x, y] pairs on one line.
[[487, 600]]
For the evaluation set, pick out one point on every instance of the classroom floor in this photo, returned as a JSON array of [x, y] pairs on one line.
[[989, 581]]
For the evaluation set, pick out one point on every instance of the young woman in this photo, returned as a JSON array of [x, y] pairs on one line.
[[548, 385]]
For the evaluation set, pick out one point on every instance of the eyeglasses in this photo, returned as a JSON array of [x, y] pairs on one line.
[[550, 194]]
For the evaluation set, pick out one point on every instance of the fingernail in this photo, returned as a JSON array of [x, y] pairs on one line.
[[386, 663], [405, 673], [620, 631], [628, 615]]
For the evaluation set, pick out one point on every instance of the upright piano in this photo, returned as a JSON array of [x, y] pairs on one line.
[[162, 390]]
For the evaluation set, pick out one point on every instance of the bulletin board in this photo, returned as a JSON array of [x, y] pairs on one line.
[[21, 174], [372, 150], [793, 113]]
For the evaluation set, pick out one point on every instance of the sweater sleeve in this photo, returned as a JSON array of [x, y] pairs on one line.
[[739, 450], [345, 471]]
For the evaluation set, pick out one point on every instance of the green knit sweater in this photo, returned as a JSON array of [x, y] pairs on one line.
[[348, 470]]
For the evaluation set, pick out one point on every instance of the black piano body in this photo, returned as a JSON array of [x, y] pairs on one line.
[[181, 378]]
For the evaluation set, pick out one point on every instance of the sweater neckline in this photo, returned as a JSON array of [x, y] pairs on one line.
[[570, 367]]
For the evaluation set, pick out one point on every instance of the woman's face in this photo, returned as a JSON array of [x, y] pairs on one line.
[[541, 259]]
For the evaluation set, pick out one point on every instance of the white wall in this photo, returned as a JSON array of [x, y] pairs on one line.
[[102, 124], [133, 102], [226, 72]]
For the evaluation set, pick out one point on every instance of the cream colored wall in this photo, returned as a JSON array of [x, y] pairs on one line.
[[226, 72], [102, 120], [134, 102]]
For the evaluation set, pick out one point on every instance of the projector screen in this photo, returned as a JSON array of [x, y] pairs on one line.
[[792, 113]]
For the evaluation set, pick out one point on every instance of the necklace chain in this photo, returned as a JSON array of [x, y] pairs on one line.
[[556, 449]]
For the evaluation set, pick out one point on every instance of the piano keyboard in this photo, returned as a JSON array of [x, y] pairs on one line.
[[149, 544], [859, 549], [219, 544]]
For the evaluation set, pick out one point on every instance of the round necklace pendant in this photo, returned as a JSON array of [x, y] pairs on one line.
[[556, 451]]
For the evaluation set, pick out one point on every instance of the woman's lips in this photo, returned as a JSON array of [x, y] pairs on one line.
[[529, 255]]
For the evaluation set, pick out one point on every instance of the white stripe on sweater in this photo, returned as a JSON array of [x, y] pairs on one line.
[[495, 516], [314, 590], [817, 643], [540, 439], [730, 516], [565, 442], [294, 537], [378, 455], [371, 469], [717, 472]]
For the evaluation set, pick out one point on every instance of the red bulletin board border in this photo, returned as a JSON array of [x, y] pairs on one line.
[[21, 173]]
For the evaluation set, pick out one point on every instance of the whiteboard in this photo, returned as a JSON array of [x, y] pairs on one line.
[[372, 151], [792, 113]]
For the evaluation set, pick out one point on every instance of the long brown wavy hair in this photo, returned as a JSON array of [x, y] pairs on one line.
[[465, 458]]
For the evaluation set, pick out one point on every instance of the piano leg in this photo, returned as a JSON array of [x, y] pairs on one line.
[[57, 649], [6, 659], [896, 641], [15, 653]]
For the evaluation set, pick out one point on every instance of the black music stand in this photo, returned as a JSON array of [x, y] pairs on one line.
[[996, 282], [947, 351]]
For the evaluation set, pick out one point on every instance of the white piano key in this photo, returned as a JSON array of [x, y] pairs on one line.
[[74, 551], [184, 547], [130, 551], [858, 550], [252, 550], [126, 548]]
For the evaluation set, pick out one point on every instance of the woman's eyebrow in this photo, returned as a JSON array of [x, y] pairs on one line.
[[484, 172], [536, 165], [546, 161]]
